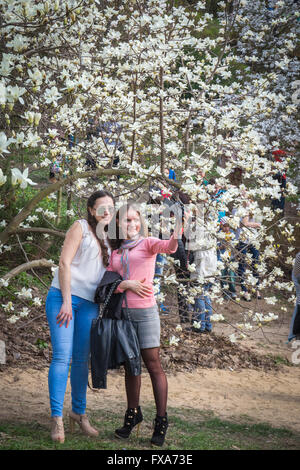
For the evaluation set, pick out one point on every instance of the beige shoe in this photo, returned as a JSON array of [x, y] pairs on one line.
[[57, 429], [83, 422]]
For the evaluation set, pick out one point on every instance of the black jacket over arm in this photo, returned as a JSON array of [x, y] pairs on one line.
[[113, 338], [113, 308]]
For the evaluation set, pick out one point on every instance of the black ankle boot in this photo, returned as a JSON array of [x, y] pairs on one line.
[[133, 417], [160, 430]]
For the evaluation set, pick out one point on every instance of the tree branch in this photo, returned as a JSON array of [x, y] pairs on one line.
[[57, 233], [18, 219], [161, 123], [37, 263]]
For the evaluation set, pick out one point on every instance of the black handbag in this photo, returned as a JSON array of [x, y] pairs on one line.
[[114, 343]]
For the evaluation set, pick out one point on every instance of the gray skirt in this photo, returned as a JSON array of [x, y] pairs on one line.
[[147, 326]]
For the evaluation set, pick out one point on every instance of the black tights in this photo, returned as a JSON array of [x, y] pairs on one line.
[[158, 378]]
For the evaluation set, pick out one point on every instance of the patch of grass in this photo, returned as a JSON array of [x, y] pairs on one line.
[[189, 429], [282, 360]]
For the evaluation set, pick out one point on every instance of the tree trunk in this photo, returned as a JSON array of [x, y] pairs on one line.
[[59, 204], [69, 204], [161, 124], [133, 142]]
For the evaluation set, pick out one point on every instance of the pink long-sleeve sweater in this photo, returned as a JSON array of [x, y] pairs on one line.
[[142, 266]]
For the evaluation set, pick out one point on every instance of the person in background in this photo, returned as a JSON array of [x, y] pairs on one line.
[[183, 258], [92, 131], [161, 203], [216, 195], [110, 132], [172, 175], [55, 170], [71, 140], [201, 177], [205, 260], [158, 275], [248, 224], [278, 156], [56, 167], [225, 254], [70, 310]]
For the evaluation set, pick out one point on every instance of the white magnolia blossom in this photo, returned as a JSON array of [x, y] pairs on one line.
[[70, 212], [233, 338], [32, 218], [15, 93], [2, 93], [3, 282], [25, 293], [52, 96], [49, 214], [13, 319], [246, 326], [24, 312], [32, 140], [173, 341], [217, 317], [270, 317], [197, 325], [4, 143], [9, 307], [3, 178], [21, 178], [271, 300], [37, 301], [260, 318]]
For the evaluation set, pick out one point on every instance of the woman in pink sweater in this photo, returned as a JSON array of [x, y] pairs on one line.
[[134, 256]]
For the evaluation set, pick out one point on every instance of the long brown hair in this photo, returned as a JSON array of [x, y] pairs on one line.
[[114, 227], [92, 221]]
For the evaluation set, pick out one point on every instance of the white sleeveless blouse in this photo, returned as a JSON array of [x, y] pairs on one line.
[[87, 267]]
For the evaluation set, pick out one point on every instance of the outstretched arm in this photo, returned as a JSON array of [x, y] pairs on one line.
[[156, 245]]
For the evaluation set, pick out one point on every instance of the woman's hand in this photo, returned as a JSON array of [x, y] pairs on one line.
[[65, 314], [178, 230], [70, 247], [138, 287]]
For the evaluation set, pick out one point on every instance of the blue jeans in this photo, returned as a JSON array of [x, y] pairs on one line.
[[69, 343], [244, 249], [228, 282], [203, 309]]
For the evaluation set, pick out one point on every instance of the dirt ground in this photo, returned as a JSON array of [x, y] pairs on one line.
[[266, 391]]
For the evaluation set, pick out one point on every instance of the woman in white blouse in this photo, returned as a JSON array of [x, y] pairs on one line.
[[295, 322], [70, 310]]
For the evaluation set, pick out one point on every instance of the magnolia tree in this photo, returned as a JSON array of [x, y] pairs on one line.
[[266, 44], [116, 93]]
